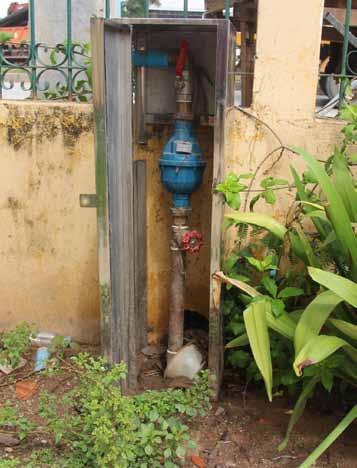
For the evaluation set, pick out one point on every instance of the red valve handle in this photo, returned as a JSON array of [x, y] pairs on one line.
[[181, 60], [192, 241]]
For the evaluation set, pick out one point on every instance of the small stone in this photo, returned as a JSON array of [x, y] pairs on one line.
[[7, 439], [44, 442], [9, 449], [220, 411]]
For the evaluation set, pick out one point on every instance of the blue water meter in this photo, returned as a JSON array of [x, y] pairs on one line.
[[182, 165]]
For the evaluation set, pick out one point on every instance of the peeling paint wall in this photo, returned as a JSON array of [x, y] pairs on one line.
[[48, 253], [284, 94], [48, 268]]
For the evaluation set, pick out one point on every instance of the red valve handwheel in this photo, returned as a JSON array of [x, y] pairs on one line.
[[192, 241]]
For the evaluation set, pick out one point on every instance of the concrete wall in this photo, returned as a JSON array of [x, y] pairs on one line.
[[48, 268], [48, 256], [285, 85], [51, 20]]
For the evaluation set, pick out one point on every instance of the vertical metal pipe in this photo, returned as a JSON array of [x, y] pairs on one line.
[[147, 8], [185, 8], [177, 286], [343, 81], [69, 49], [107, 8], [33, 51], [228, 6]]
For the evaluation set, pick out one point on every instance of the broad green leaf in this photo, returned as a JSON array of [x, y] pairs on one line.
[[277, 307], [319, 348], [344, 184], [313, 205], [255, 319], [311, 257], [318, 214], [299, 407], [270, 285], [269, 196], [349, 329], [304, 197], [314, 317], [336, 210], [272, 181], [270, 224], [290, 292], [330, 439], [242, 340], [296, 314], [259, 219], [284, 324], [261, 265], [329, 239], [343, 287], [327, 380]]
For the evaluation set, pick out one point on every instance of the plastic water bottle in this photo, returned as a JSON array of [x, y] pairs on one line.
[[41, 358]]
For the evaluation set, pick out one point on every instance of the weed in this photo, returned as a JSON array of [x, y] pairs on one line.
[[14, 343], [95, 425]]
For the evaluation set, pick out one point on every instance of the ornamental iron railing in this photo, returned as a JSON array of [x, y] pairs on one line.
[[32, 69]]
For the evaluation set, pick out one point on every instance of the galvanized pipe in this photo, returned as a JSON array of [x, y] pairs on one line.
[[177, 287]]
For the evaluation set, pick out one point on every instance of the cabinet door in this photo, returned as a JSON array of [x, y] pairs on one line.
[[225, 55], [112, 88]]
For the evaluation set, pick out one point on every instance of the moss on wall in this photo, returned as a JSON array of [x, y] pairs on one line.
[[48, 243], [24, 124]]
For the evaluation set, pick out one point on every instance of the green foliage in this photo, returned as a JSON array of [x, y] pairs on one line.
[[10, 463], [232, 188], [302, 282], [94, 424], [10, 418], [14, 343], [5, 37]]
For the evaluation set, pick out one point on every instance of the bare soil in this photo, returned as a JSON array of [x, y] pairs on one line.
[[242, 430]]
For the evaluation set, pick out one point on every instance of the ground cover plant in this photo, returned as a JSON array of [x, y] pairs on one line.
[[95, 425], [14, 343], [294, 295]]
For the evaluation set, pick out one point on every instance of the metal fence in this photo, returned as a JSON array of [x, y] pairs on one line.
[[32, 66], [34, 70]]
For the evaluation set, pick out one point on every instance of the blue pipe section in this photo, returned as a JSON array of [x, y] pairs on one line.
[[151, 59], [182, 165]]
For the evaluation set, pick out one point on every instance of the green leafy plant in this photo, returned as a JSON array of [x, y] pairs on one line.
[[314, 277], [94, 424], [11, 420], [14, 343]]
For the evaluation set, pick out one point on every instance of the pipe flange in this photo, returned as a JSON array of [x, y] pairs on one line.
[[184, 116], [181, 212]]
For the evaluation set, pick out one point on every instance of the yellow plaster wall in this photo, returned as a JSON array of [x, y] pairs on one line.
[[48, 268], [48, 256], [285, 86]]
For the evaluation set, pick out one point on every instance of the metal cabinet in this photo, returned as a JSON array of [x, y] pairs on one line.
[[120, 114]]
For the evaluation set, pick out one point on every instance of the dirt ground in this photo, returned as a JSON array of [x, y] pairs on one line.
[[242, 430]]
